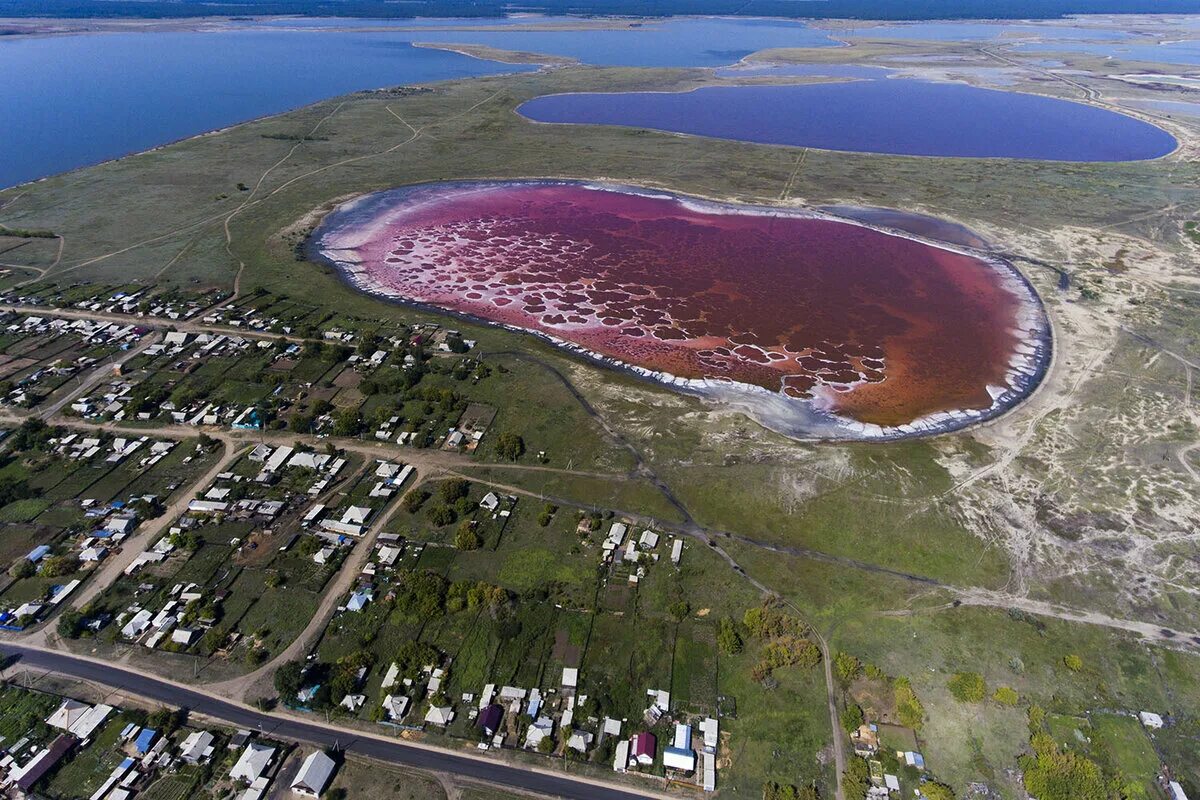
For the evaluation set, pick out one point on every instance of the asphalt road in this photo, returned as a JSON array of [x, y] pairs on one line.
[[397, 752]]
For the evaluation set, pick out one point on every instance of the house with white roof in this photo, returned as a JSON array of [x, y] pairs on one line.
[[395, 706], [253, 762], [196, 747], [314, 775]]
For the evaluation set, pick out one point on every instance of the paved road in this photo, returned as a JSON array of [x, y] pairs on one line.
[[394, 751]]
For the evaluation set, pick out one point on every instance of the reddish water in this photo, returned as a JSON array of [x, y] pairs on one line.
[[871, 326]]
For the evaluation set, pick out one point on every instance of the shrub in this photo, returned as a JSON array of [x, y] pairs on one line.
[[1073, 662], [967, 687], [1005, 696]]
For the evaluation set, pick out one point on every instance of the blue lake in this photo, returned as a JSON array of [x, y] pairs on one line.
[[77, 100], [901, 117]]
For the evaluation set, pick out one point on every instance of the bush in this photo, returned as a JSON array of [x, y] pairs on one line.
[[785, 791], [789, 651], [679, 610], [1005, 696], [1073, 662], [22, 568], [967, 687], [769, 623]]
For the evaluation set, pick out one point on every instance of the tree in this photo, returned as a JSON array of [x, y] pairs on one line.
[[510, 446], [847, 667], [546, 745], [289, 679], [56, 566], [1005, 696], [70, 624], [413, 501], [13, 489], [465, 538], [937, 791], [967, 687], [22, 568], [679, 610], [852, 717], [453, 489], [33, 434], [1073, 662], [440, 515], [728, 640], [347, 423], [856, 780]]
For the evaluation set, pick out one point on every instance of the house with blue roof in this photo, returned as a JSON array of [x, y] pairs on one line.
[[144, 740], [38, 553]]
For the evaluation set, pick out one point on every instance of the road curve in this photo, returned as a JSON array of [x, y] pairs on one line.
[[543, 783]]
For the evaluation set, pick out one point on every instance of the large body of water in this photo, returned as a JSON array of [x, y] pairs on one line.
[[77, 100], [901, 117], [817, 327]]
